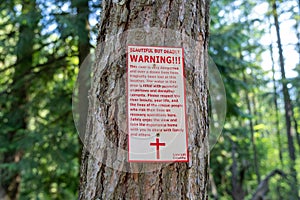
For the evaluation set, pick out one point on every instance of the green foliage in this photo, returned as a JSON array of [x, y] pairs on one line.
[[45, 149], [235, 48]]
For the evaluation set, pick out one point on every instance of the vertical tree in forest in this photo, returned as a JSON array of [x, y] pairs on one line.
[[295, 105], [82, 28], [276, 108], [287, 106], [251, 127], [107, 106]]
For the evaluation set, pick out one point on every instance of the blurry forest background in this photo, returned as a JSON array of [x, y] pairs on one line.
[[255, 45]]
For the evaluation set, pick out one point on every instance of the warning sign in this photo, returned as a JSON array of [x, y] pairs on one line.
[[156, 108]]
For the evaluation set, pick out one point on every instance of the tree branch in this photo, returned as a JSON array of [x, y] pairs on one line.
[[263, 187]]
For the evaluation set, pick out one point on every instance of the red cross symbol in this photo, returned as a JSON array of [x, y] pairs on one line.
[[157, 144]]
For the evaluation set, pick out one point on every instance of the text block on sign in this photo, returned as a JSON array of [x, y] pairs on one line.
[[156, 107]]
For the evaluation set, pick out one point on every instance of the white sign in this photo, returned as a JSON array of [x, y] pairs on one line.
[[156, 107]]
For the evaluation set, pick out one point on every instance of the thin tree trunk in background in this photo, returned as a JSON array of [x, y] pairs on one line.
[[276, 108], [213, 187], [287, 107], [296, 126], [256, 165], [278, 135], [83, 32], [298, 49], [18, 116], [250, 113], [176, 180], [237, 176], [257, 115], [83, 28]]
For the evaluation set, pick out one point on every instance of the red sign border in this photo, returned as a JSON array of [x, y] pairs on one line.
[[185, 114]]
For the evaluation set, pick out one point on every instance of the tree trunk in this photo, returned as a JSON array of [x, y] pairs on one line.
[[276, 108], [82, 31], [105, 172], [251, 125], [287, 107], [83, 28], [296, 127], [237, 175], [252, 139]]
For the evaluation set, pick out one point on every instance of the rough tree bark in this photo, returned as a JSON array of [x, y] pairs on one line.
[[107, 108]]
